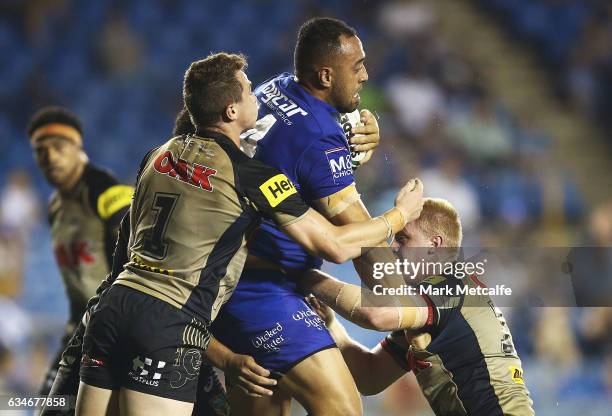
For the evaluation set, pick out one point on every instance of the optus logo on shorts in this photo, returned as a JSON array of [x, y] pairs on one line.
[[145, 372], [277, 189]]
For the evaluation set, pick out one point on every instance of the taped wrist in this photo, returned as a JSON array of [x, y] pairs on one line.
[[395, 219], [419, 314]]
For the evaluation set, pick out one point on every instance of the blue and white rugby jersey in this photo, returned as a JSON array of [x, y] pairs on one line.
[[302, 137]]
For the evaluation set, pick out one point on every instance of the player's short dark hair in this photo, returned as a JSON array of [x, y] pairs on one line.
[[318, 41], [211, 85], [183, 124], [51, 115]]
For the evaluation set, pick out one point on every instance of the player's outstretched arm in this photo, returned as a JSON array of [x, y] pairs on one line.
[[240, 370], [362, 307], [346, 207], [373, 370], [341, 243]]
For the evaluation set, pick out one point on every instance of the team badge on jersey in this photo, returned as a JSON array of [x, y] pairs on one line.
[[277, 189]]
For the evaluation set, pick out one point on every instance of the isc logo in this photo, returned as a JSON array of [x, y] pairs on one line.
[[195, 175], [277, 189]]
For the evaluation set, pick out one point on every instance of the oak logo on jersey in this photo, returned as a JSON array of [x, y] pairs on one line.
[[195, 175], [73, 254], [517, 374], [277, 189]]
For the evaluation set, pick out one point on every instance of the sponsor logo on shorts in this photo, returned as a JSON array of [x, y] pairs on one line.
[[87, 361], [186, 366], [517, 374], [310, 318], [277, 189], [270, 339], [145, 371], [340, 162]]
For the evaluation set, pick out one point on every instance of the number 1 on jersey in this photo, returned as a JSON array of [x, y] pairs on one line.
[[154, 244]]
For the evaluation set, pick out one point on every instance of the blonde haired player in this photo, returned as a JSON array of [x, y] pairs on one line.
[[459, 346]]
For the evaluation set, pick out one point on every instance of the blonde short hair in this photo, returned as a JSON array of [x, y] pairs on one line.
[[439, 217]]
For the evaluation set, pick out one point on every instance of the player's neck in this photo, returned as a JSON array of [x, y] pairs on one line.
[[72, 181], [229, 130], [321, 94]]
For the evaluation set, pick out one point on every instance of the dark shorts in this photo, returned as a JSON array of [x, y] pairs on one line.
[[269, 320], [136, 341]]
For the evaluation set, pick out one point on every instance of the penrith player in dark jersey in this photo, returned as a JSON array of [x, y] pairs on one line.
[[84, 211], [458, 345]]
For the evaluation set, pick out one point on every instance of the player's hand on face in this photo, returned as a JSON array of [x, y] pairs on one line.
[[247, 375], [410, 199], [325, 312], [366, 137]]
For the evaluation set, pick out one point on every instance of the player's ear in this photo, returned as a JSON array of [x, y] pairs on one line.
[[231, 112], [436, 241], [325, 74]]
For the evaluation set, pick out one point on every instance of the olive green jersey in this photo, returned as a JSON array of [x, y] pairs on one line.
[[84, 226], [197, 199], [470, 367]]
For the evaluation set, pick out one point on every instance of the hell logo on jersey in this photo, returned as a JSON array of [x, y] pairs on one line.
[[277, 189], [195, 175], [340, 162]]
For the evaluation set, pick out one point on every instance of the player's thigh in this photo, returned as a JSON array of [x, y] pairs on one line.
[[279, 404], [323, 384], [96, 401], [135, 403]]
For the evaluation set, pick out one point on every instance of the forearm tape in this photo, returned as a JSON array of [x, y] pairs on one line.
[[335, 204], [348, 304], [394, 219]]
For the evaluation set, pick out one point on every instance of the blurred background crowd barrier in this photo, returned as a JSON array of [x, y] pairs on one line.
[[504, 107]]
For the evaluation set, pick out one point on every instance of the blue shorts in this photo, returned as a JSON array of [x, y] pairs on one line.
[[269, 320]]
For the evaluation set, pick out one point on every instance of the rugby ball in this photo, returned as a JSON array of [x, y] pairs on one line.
[[348, 121]]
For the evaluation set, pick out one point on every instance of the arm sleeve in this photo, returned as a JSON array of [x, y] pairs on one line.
[[325, 168], [120, 257], [272, 192], [441, 306], [109, 199]]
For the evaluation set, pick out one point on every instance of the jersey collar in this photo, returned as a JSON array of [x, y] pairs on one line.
[[217, 136], [314, 102]]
